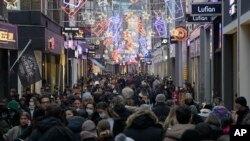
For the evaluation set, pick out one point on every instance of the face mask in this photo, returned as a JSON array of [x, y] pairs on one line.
[[32, 105], [68, 116], [102, 115], [89, 111]]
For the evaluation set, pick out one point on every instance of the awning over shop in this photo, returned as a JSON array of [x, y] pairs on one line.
[[97, 63]]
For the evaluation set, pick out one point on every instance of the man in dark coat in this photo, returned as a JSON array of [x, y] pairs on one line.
[[242, 109], [161, 109], [143, 126], [50, 127]]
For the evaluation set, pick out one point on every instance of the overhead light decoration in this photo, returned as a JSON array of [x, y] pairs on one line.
[[100, 27], [175, 8], [72, 7], [145, 15], [140, 28], [11, 4], [134, 1], [169, 19], [160, 26], [91, 21]]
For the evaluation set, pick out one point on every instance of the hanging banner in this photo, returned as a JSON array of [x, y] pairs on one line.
[[28, 69]]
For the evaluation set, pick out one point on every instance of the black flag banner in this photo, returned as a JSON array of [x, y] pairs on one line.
[[28, 69]]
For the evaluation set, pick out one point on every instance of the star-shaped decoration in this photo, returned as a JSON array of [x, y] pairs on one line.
[[134, 1], [145, 15], [11, 4], [169, 19], [103, 2], [108, 34], [91, 21], [102, 16]]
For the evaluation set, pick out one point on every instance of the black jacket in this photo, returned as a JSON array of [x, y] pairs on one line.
[[51, 129], [161, 110], [142, 126], [242, 115]]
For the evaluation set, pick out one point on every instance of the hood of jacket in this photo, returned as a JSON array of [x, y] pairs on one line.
[[142, 119], [47, 122], [75, 123]]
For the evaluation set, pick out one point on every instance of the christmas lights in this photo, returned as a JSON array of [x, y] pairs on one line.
[[100, 27], [160, 26], [72, 9]]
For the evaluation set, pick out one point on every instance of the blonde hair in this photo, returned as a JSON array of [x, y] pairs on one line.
[[171, 118]]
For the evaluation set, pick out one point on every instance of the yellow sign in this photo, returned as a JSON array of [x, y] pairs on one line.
[[185, 72], [6, 36]]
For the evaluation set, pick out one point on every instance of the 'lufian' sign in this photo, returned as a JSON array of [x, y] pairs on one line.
[[206, 9]]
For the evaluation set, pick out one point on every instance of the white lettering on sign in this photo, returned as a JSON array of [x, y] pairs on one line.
[[206, 9], [200, 18], [240, 132]]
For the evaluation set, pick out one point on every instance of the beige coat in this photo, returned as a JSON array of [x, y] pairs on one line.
[[176, 131]]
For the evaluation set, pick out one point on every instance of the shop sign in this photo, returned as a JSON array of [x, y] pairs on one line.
[[164, 41], [206, 8], [180, 33], [80, 35], [70, 29], [53, 42], [232, 7], [8, 35], [198, 19]]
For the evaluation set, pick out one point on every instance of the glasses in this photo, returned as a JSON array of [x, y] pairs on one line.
[[45, 102]]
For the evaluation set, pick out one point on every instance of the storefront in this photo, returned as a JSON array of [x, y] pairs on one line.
[[8, 55], [47, 43]]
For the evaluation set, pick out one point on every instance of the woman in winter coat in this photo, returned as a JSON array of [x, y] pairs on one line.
[[143, 126], [16, 131]]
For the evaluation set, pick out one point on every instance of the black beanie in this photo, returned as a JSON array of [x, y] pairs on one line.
[[241, 100]]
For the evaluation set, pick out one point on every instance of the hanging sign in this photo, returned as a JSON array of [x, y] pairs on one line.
[[198, 19], [180, 33], [206, 8]]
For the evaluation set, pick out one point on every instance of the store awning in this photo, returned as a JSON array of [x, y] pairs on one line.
[[97, 63]]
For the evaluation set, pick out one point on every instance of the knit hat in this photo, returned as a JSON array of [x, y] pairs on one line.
[[13, 104], [88, 125], [122, 137], [241, 100], [160, 98], [188, 96], [88, 130]]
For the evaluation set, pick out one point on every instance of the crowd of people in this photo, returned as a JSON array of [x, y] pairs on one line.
[[132, 107]]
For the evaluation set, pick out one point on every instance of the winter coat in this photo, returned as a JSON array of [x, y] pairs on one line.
[[242, 115], [75, 125], [13, 133], [176, 131], [51, 129], [161, 110], [143, 126], [104, 139]]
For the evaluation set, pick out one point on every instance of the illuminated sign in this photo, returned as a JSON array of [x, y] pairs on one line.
[[180, 33], [70, 29], [206, 8], [160, 26], [232, 7], [8, 35], [100, 27], [51, 43], [198, 19], [79, 35]]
